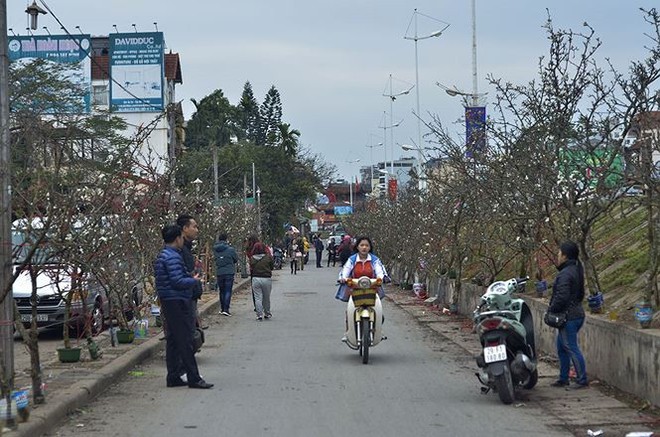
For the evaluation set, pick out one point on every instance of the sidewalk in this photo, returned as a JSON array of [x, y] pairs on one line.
[[577, 412], [73, 386]]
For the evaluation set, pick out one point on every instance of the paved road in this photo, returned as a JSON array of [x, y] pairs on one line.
[[291, 376]]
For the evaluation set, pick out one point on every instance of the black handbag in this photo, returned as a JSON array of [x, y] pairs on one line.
[[555, 320]]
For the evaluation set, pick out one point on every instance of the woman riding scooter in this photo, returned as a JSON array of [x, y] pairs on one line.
[[361, 263]]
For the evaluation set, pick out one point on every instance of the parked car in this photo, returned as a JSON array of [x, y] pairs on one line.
[[53, 284]]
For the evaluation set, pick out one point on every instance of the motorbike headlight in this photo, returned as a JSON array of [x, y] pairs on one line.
[[364, 282]]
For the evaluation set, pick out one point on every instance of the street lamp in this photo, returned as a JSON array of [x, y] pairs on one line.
[[371, 162], [475, 113], [258, 211], [416, 38], [392, 97], [391, 126], [350, 182]]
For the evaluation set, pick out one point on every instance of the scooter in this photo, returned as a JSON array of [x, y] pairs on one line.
[[364, 315], [278, 258], [506, 332]]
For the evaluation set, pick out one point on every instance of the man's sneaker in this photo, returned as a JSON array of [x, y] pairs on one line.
[[559, 383], [268, 315], [344, 339], [184, 378], [259, 318], [225, 313]]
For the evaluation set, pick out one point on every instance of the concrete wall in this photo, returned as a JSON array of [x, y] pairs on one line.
[[626, 358]]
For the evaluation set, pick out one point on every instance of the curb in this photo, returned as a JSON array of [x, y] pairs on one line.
[[43, 418]]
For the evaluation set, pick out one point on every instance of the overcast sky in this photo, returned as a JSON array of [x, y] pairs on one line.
[[331, 60]]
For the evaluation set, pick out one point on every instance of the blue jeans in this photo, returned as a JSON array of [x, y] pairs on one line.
[[569, 351], [225, 285]]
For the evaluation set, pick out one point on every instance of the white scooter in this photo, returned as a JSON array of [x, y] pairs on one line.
[[364, 315]]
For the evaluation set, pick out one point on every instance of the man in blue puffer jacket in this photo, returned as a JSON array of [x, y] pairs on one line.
[[174, 286]]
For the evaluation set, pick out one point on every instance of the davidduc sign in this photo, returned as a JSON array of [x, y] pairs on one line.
[[137, 72]]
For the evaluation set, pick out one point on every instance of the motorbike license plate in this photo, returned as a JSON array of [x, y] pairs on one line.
[[28, 318], [493, 354]]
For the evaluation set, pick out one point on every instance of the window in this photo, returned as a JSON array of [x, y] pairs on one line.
[[100, 95]]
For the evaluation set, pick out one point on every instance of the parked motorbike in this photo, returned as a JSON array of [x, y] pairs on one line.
[[278, 258], [506, 332], [364, 315]]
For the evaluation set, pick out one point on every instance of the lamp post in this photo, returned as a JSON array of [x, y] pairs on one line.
[[385, 127], [259, 211], [371, 162], [392, 97], [350, 182], [416, 38], [475, 116]]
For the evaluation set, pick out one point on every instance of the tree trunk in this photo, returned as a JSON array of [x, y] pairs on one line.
[[593, 284], [30, 338], [651, 289]]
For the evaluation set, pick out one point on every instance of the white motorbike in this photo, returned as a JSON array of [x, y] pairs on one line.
[[364, 315]]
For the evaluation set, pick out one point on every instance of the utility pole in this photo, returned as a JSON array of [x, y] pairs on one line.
[[7, 302], [216, 196]]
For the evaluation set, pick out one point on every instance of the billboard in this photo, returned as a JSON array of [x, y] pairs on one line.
[[475, 129], [61, 49], [137, 72], [343, 210]]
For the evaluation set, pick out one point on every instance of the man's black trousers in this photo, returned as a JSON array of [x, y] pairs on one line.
[[180, 324]]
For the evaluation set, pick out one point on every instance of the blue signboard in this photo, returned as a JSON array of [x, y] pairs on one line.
[[343, 210], [62, 49], [137, 72], [475, 129]]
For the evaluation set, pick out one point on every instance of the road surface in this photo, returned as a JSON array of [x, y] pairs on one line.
[[291, 376]]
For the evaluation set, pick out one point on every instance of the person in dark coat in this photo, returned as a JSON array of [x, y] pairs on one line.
[[174, 286], [345, 249], [190, 233], [261, 271], [318, 248], [225, 269], [332, 252], [567, 296]]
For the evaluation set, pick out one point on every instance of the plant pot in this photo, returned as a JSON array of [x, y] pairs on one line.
[[125, 336], [644, 314], [595, 302], [69, 355], [94, 350]]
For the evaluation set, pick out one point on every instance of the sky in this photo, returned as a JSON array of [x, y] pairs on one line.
[[331, 61]]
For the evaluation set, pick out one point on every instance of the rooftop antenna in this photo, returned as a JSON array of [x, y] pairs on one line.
[[115, 27], [156, 26], [46, 29], [134, 27]]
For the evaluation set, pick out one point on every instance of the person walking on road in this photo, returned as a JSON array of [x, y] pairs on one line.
[[318, 247], [345, 249], [225, 269], [174, 286], [295, 255], [332, 252], [567, 296], [261, 270]]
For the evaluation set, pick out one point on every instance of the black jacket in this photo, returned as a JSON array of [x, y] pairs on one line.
[[189, 261], [568, 290]]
